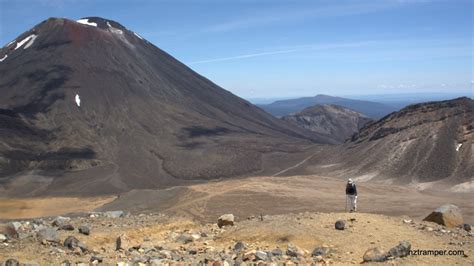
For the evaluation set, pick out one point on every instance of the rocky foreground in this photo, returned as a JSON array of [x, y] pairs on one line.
[[119, 238]]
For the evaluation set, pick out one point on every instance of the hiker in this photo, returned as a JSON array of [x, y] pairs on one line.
[[351, 195]]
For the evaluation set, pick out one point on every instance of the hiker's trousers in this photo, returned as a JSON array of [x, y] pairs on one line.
[[352, 202]]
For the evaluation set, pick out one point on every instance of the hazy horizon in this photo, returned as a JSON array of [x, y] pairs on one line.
[[268, 48]]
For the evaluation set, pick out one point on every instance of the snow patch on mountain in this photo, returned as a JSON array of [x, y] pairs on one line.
[[85, 21], [136, 34], [3, 58], [458, 146], [30, 39], [78, 100]]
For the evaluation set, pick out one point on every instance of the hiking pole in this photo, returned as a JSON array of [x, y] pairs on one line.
[[345, 208]]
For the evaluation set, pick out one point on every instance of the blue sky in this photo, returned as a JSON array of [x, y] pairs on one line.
[[292, 48]]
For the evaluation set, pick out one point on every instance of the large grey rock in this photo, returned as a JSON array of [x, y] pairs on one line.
[[225, 220], [448, 215], [374, 255], [401, 250], [114, 214], [48, 234]]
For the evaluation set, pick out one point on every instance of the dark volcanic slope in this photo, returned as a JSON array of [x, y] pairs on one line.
[[286, 107], [145, 119], [336, 122], [421, 143]]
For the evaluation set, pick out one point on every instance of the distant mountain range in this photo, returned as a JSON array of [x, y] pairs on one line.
[[285, 107], [430, 144], [336, 122]]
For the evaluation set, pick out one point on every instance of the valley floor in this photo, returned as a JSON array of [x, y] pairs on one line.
[[251, 196]]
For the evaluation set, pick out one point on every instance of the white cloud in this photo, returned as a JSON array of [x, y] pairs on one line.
[[297, 48]]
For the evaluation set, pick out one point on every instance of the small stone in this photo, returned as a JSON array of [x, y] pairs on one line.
[[12, 262], [185, 239], [60, 221], [225, 220], [239, 247], [66, 227], [3, 237], [71, 242], [84, 230], [320, 251], [374, 255], [466, 227], [249, 256], [294, 251], [122, 242], [96, 259], [340, 224], [261, 255], [66, 263], [277, 252]]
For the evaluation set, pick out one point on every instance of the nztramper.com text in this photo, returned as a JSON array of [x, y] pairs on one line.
[[436, 252]]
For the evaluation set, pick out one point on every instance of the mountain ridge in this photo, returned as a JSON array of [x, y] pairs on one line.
[[145, 119]]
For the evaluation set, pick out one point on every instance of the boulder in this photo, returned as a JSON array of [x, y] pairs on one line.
[[448, 215], [84, 230], [225, 220], [401, 250], [340, 224], [48, 234], [114, 214], [374, 255], [3, 238]]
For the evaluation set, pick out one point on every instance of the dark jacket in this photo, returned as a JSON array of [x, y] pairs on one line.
[[351, 189]]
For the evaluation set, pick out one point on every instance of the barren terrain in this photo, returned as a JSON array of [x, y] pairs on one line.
[[252, 196]]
